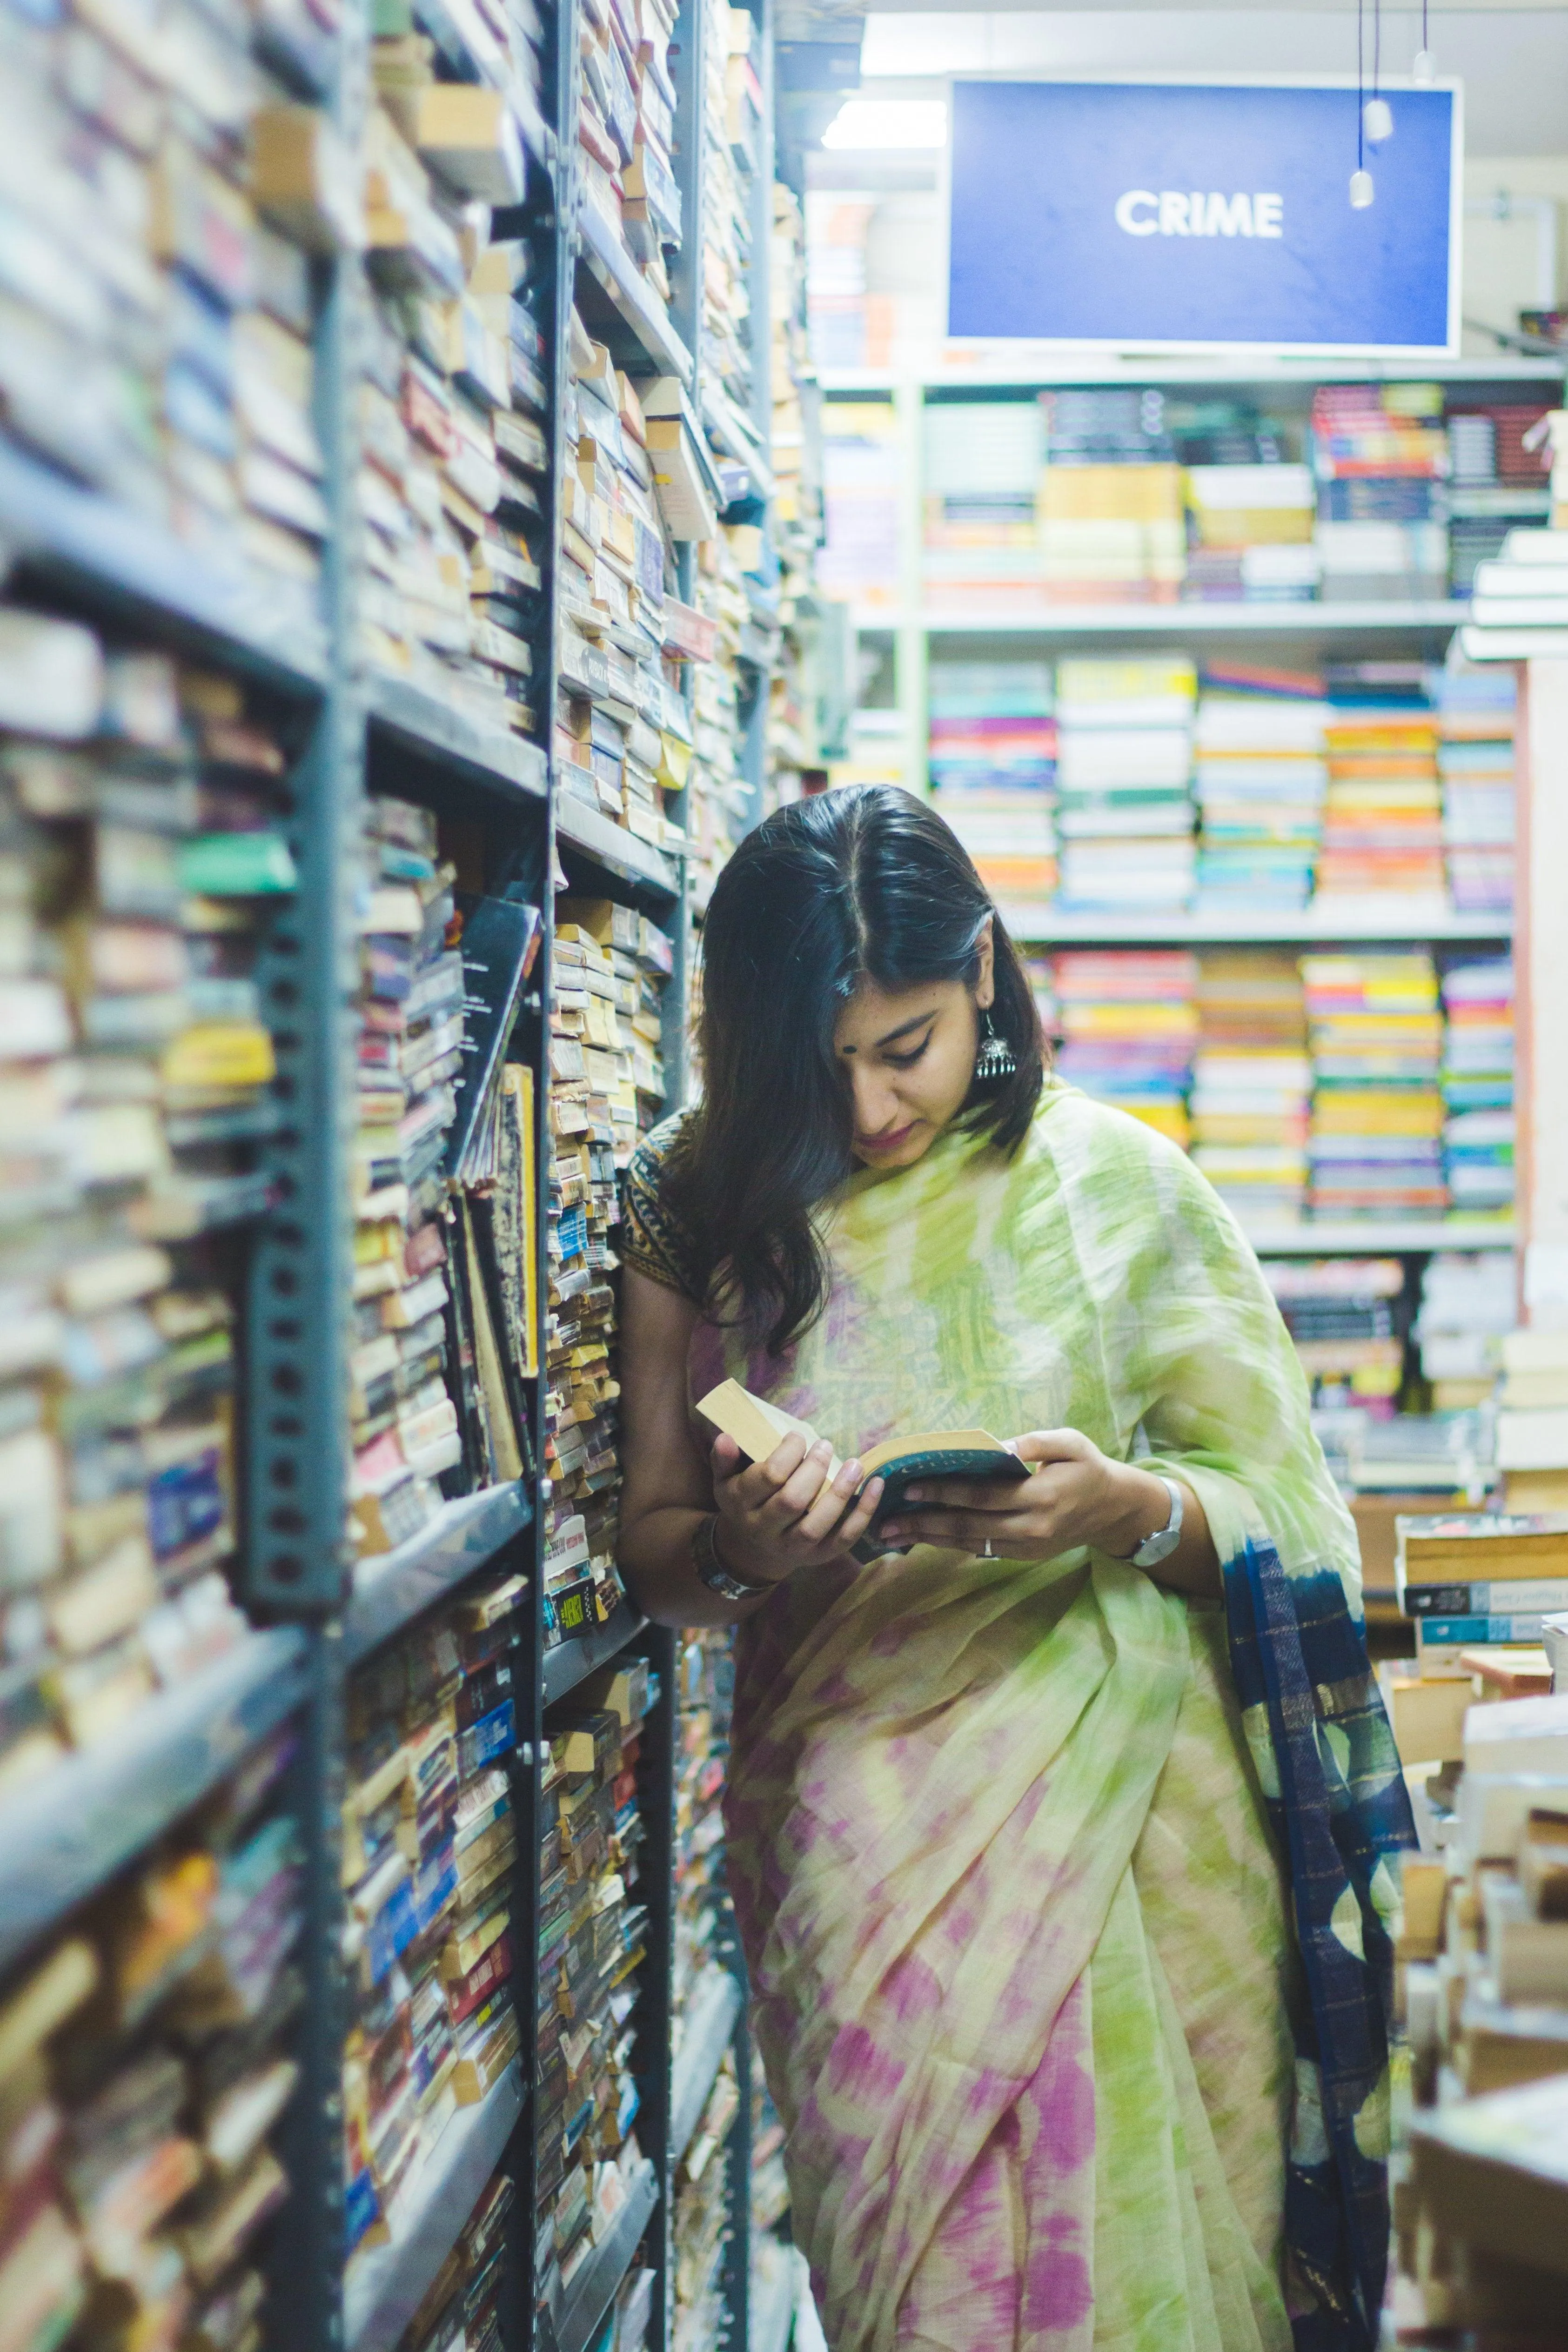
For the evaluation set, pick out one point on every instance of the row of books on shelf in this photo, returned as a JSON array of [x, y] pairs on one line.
[[1131, 496], [1144, 787], [1363, 1086]]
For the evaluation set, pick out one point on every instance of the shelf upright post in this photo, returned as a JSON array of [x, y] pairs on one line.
[[738, 2149], [655, 1796], [754, 741], [909, 644]]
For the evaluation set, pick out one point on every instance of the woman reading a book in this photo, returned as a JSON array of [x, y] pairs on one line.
[[1062, 1806]]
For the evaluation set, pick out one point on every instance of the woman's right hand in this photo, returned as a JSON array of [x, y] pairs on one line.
[[784, 1513]]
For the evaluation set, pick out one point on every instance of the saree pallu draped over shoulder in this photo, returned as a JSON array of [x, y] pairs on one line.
[[1067, 1905]]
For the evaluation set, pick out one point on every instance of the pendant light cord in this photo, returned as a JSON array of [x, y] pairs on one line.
[[1360, 81], [1376, 46]]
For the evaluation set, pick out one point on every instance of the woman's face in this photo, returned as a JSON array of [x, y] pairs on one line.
[[908, 1060]]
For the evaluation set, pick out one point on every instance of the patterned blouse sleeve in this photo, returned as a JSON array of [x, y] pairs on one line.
[[652, 1240]]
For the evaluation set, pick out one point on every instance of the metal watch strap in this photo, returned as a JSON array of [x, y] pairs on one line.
[[1163, 1542], [711, 1570]]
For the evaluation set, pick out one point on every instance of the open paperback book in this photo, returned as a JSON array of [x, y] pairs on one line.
[[900, 1463]]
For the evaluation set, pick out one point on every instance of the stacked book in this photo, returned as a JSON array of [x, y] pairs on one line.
[[626, 133], [462, 2305], [982, 480], [699, 2224], [142, 849], [1260, 779], [1469, 1302], [1520, 608], [1476, 721], [1124, 755], [1532, 1419], [993, 752], [1112, 520], [701, 1903], [591, 1931], [1478, 1062], [429, 1846], [862, 473], [836, 294], [147, 2074], [717, 796], [1251, 1085], [1383, 818], [609, 966], [453, 451], [1497, 485], [731, 125], [1377, 1032], [1478, 1581], [1346, 1318], [1251, 527], [1128, 1027], [794, 454], [155, 342], [1380, 453]]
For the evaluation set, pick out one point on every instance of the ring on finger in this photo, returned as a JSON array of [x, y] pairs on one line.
[[986, 1551]]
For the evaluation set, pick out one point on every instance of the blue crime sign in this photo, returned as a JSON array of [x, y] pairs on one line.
[[1194, 214]]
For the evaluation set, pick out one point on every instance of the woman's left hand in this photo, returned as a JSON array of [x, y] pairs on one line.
[[1075, 1495]]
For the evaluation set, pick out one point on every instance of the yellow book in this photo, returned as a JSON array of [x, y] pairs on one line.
[[220, 1053]]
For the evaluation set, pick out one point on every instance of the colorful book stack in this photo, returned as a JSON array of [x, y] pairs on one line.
[[429, 1846], [1469, 1301], [861, 477], [591, 1933], [1498, 485], [1251, 1086], [403, 1422], [453, 453], [1252, 529], [1476, 721], [1128, 1027], [1124, 756], [1478, 1581], [155, 341], [993, 770], [609, 966], [1382, 819], [1377, 1110], [836, 284], [1260, 779], [147, 2070], [792, 737], [1380, 453], [707, 1683], [1345, 1316], [717, 796], [1112, 522], [698, 2227], [1477, 1087], [139, 852], [982, 480], [732, 123], [462, 2305], [626, 129]]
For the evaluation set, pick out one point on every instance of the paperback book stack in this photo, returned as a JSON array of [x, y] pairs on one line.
[[1377, 1032], [1251, 1086], [1124, 805], [140, 846], [1478, 1062], [404, 1419], [454, 454], [1532, 1419], [591, 1933], [1498, 486], [700, 2225], [1346, 1316], [1129, 1026], [1260, 779], [731, 127], [861, 475], [1478, 1582], [148, 2066], [993, 754], [1112, 522], [718, 797], [609, 966], [1476, 721], [701, 1905], [155, 342], [462, 2305], [795, 453], [1380, 453], [429, 1845], [1469, 1302], [626, 133], [982, 481], [1251, 527], [1383, 818]]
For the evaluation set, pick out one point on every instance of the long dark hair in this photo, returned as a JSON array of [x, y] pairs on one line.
[[862, 883]]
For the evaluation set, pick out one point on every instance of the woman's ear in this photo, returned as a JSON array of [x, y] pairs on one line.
[[986, 980]]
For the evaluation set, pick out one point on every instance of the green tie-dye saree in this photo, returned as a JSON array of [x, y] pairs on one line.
[[1016, 1846]]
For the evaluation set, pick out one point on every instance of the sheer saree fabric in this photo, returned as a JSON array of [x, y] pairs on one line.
[[1015, 1845]]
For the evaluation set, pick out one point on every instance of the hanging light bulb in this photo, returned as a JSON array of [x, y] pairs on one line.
[[1377, 121], [1424, 67], [1360, 191]]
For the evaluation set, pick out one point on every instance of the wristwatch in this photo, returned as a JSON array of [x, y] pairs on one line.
[[711, 1570], [1163, 1542]]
